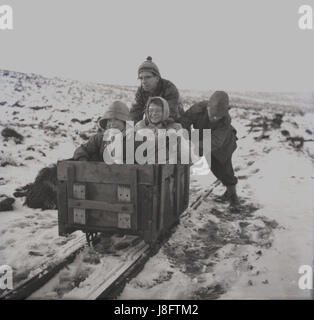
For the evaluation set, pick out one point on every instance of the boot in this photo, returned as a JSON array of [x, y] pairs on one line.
[[224, 197], [233, 199]]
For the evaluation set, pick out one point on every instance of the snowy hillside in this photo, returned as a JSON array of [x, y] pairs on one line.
[[213, 253]]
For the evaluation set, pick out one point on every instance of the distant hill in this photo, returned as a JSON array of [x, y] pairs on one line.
[[36, 89]]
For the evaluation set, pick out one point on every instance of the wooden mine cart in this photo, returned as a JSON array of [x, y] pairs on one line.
[[144, 200]]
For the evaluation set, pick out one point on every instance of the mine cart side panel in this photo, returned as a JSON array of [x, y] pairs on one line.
[[186, 192], [106, 198], [89, 209], [174, 194], [167, 200], [62, 208], [136, 199], [183, 188], [114, 208], [147, 212]]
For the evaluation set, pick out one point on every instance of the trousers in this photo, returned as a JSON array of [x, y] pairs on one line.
[[223, 171]]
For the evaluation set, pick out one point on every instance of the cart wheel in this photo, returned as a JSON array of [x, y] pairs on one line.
[[91, 238]]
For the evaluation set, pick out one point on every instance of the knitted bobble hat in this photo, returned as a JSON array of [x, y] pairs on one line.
[[149, 66]]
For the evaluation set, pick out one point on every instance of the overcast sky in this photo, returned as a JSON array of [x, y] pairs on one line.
[[210, 44]]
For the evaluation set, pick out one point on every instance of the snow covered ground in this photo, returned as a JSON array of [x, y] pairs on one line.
[[255, 254], [213, 253]]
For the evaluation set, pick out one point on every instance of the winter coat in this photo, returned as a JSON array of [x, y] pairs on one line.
[[165, 89], [94, 148], [223, 135]]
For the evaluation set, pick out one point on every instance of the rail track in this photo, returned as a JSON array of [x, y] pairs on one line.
[[107, 281]]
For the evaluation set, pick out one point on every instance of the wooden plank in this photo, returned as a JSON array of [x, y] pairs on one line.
[[102, 192], [101, 205], [157, 201], [62, 208], [79, 214], [99, 172], [181, 181], [46, 270], [124, 193], [186, 187], [125, 220], [134, 186], [70, 182], [108, 280], [145, 173], [113, 229], [155, 216], [167, 169], [172, 189], [97, 218], [79, 191], [169, 212], [178, 196], [146, 213], [162, 197], [111, 290]]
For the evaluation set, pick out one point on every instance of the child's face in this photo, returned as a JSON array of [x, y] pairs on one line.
[[155, 113], [115, 124]]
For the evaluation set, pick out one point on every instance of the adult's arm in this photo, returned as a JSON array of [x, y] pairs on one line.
[[138, 107], [171, 94], [192, 115], [90, 149]]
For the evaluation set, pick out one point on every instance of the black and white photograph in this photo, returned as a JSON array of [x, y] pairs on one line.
[[156, 150]]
